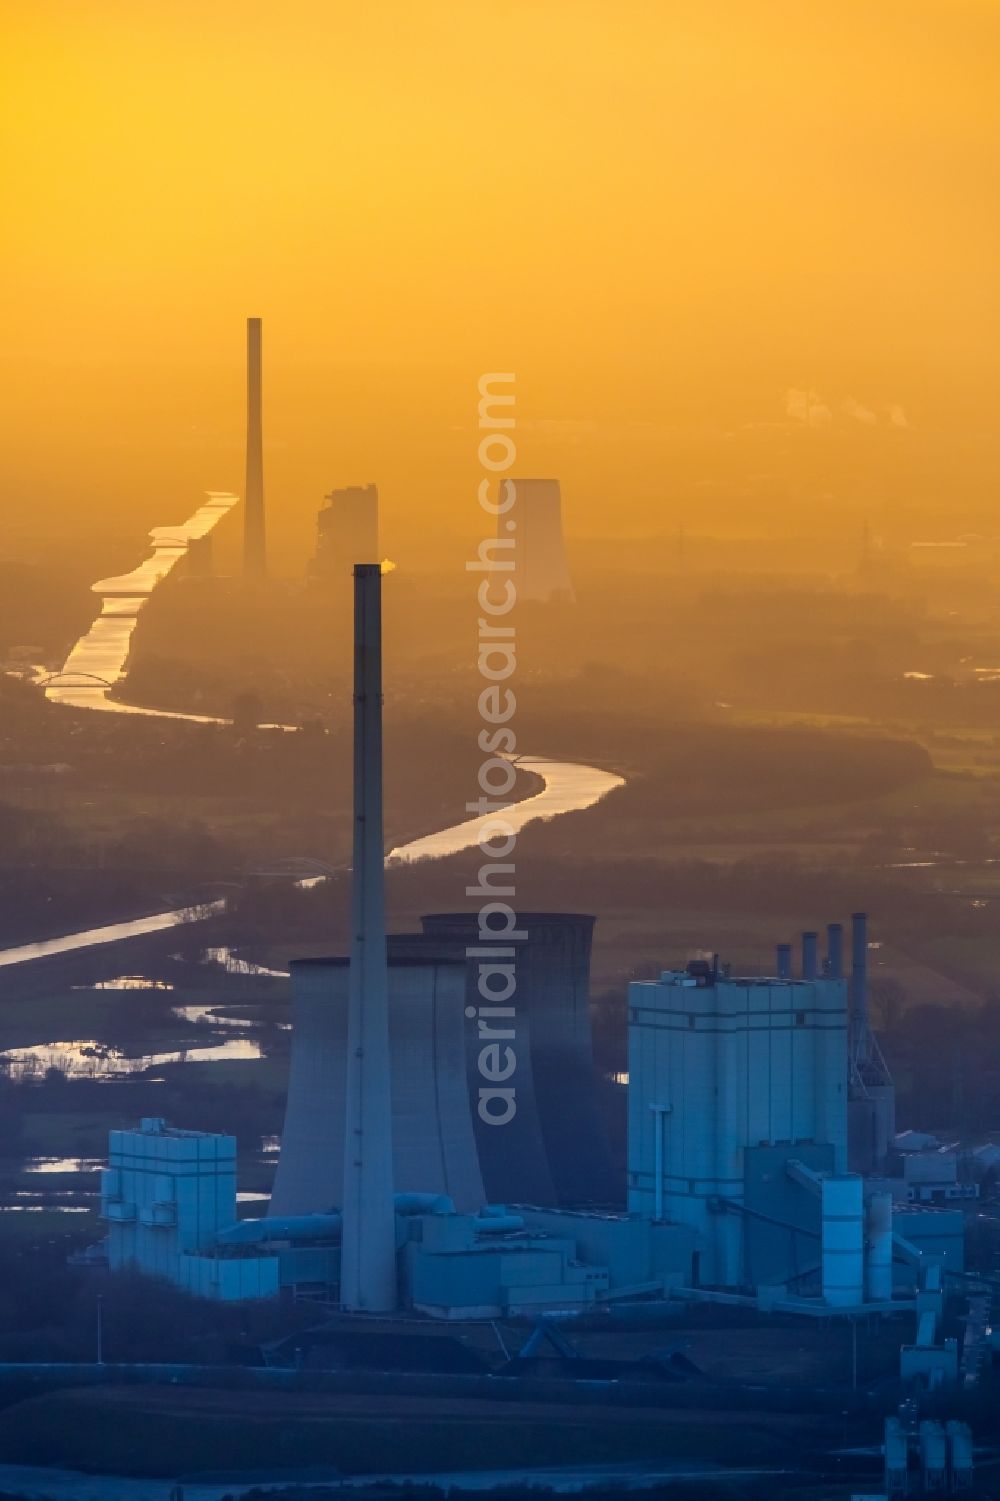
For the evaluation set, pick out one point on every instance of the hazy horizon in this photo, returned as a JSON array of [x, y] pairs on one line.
[[739, 258]]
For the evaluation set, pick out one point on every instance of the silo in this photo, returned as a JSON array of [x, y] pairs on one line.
[[555, 1150], [960, 1455], [933, 1455], [879, 1266], [843, 1240], [895, 1451]]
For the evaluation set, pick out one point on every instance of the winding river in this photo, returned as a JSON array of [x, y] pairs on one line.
[[99, 660]]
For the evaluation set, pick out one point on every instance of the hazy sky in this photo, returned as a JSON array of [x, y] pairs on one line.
[[729, 247]]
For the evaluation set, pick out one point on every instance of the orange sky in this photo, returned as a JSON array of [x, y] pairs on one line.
[[662, 214]]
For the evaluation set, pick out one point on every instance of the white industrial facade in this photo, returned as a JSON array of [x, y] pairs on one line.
[[718, 1066], [165, 1196]]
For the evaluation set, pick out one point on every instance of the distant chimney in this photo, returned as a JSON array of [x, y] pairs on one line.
[[835, 950], [810, 950], [254, 553], [784, 952], [859, 971]]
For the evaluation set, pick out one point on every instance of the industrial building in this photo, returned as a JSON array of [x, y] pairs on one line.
[[394, 1189], [722, 1071], [347, 528], [738, 1186], [532, 528], [741, 1096], [166, 1195]]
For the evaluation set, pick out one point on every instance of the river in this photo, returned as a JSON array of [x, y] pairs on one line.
[[99, 660]]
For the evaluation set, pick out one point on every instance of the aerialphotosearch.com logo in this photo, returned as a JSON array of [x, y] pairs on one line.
[[495, 1011]]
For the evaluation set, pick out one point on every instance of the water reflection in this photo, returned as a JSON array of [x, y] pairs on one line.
[[70, 943], [568, 788], [236, 966], [201, 1014], [99, 659], [63, 1165], [90, 1059], [45, 1209], [127, 982]]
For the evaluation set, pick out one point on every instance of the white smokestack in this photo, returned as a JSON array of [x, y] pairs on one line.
[[368, 1248]]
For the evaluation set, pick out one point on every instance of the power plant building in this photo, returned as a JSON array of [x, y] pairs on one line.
[[721, 1069], [737, 1151], [165, 1196], [347, 530]]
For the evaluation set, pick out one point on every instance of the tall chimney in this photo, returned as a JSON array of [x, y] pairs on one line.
[[254, 556], [784, 955], [810, 942], [368, 1245], [859, 972], [835, 950]]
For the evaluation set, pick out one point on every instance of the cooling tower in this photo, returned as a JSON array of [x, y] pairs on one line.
[[254, 559], [347, 528], [555, 1150], [541, 571], [434, 1148]]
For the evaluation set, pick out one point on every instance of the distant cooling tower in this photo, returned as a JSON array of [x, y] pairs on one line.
[[347, 529], [542, 572], [434, 1149], [555, 1150]]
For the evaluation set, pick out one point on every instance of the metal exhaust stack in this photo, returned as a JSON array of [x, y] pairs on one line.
[[859, 972], [368, 1278], [835, 950], [784, 952], [253, 500], [810, 950]]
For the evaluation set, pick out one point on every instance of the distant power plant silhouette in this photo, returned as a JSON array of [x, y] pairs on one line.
[[347, 529], [254, 549], [537, 533]]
